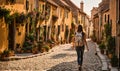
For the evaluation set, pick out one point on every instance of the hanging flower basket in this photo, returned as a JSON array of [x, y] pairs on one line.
[[4, 12], [20, 18]]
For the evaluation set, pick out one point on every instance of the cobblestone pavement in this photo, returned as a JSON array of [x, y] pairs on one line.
[[62, 59]]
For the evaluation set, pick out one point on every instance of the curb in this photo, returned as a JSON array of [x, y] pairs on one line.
[[12, 58], [105, 66]]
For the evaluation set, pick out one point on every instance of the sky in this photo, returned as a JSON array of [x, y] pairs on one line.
[[88, 5]]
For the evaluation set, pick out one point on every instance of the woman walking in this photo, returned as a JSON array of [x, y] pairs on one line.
[[79, 44]]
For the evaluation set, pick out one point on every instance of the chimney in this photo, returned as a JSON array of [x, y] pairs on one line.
[[81, 5]]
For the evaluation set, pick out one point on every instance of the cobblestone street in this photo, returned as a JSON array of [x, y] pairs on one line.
[[63, 58]]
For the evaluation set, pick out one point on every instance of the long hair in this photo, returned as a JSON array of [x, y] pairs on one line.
[[80, 29]]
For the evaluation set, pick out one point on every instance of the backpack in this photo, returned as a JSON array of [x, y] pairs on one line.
[[79, 39]]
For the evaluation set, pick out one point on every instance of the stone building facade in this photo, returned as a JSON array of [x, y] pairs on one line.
[[107, 13], [56, 17], [15, 33]]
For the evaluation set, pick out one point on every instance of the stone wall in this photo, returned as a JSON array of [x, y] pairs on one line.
[[20, 35]]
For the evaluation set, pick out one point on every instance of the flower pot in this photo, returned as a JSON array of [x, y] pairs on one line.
[[102, 51], [110, 55], [11, 53], [28, 51], [18, 50], [42, 50], [35, 50]]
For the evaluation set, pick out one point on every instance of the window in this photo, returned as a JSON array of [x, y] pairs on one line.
[[48, 34], [66, 14], [62, 27], [44, 32], [111, 21], [58, 29], [43, 7], [27, 5], [105, 17], [66, 32], [108, 18]]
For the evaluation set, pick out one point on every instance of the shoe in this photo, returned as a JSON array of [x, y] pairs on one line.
[[95, 53], [80, 68]]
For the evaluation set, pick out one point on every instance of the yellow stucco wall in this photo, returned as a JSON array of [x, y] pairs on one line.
[[20, 38], [16, 8], [3, 36]]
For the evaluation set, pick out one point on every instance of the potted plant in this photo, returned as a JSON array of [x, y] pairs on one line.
[[40, 44], [4, 54], [46, 47], [7, 53], [111, 46], [102, 47], [42, 50], [34, 48], [114, 61], [11, 53], [4, 12], [50, 43]]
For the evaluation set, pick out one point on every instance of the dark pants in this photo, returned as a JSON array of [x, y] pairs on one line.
[[80, 52]]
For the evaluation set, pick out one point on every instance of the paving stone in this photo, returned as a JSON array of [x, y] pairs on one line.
[[63, 58]]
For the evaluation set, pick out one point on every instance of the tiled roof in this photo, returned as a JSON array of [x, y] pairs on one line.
[[59, 3], [65, 4], [73, 7], [52, 2], [104, 5], [96, 8], [62, 4]]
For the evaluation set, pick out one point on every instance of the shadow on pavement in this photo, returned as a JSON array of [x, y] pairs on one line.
[[62, 55], [65, 66], [59, 56], [70, 49]]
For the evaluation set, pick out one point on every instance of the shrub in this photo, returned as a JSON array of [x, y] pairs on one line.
[[7, 53], [46, 47], [50, 41], [4, 12], [102, 46], [26, 49], [93, 37], [34, 50], [114, 61], [107, 29], [111, 44]]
